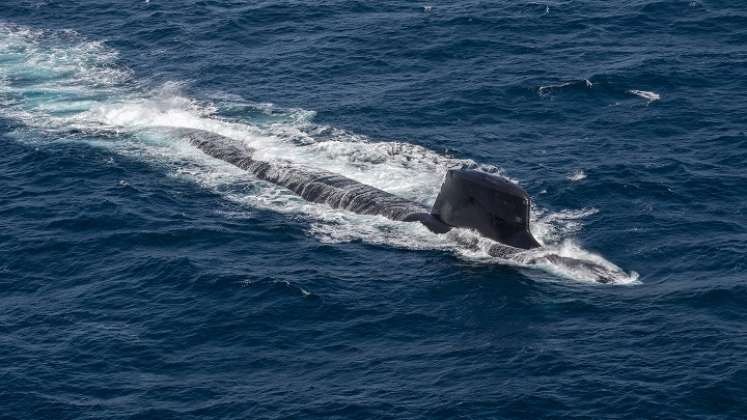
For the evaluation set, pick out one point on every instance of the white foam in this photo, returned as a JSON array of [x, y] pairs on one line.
[[553, 227], [586, 273], [544, 90], [577, 175], [73, 84], [645, 94]]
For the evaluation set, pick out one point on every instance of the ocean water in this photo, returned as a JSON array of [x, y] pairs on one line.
[[140, 278]]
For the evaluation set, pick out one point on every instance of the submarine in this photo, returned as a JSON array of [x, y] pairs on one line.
[[494, 207]]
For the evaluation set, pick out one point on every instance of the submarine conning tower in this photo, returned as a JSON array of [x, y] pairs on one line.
[[495, 207]]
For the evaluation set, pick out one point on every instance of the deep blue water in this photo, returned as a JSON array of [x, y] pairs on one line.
[[141, 279]]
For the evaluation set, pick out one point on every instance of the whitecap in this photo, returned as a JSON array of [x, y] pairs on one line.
[[577, 175], [543, 90], [645, 94]]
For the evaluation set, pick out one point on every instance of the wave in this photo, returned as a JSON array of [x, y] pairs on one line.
[[61, 83], [602, 87], [585, 83], [645, 94], [578, 175]]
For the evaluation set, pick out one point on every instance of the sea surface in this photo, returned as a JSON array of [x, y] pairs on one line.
[[141, 278]]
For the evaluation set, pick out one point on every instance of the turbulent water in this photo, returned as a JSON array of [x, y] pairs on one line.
[[142, 278]]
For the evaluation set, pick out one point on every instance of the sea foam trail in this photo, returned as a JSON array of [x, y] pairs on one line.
[[58, 82]]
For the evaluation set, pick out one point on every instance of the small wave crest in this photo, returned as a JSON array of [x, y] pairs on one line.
[[577, 175], [545, 90], [645, 94]]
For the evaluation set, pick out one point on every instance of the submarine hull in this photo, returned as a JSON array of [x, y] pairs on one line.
[[492, 206], [317, 185]]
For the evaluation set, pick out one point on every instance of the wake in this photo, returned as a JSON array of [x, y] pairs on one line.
[[60, 83]]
